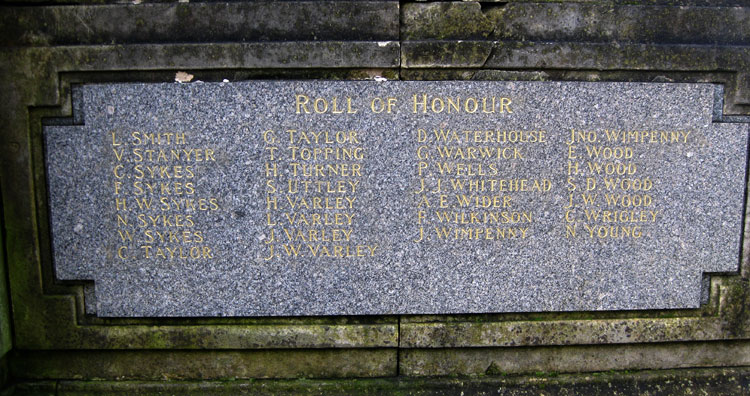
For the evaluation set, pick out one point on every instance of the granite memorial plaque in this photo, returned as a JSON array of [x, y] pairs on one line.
[[345, 198]]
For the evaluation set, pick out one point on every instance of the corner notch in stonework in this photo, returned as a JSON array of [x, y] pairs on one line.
[[718, 110], [709, 296], [76, 106], [72, 102]]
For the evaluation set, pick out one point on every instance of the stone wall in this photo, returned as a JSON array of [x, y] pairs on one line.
[[46, 49], [5, 335]]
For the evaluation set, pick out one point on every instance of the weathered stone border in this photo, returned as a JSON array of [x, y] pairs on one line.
[[732, 381], [48, 318]]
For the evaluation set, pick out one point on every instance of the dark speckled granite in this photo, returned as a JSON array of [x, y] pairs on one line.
[[518, 255]]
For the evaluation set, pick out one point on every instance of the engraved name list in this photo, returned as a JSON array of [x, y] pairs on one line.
[[327, 198]]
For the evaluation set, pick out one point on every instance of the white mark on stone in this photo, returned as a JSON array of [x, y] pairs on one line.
[[384, 43], [182, 77]]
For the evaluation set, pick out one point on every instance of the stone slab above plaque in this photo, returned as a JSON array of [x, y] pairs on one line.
[[279, 198]]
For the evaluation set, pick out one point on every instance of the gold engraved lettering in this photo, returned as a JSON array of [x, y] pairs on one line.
[[423, 202], [612, 168], [501, 185], [125, 235], [177, 252], [172, 236], [328, 203], [117, 171], [606, 231], [457, 104], [342, 251], [272, 202], [481, 233], [482, 153], [118, 154], [505, 105], [306, 186], [269, 136], [627, 184], [646, 136], [322, 137], [326, 153], [161, 155], [158, 188], [272, 170], [467, 136], [605, 152], [187, 204], [164, 188], [621, 216], [572, 168], [163, 171], [302, 101], [323, 170], [114, 140], [121, 204], [179, 220], [318, 234], [378, 105], [143, 138], [503, 217], [322, 105], [485, 201], [571, 152], [582, 136], [319, 219], [122, 220]]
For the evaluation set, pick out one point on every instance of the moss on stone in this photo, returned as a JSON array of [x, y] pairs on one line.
[[50, 318], [5, 330], [205, 365], [444, 20]]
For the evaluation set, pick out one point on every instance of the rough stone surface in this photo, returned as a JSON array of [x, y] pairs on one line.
[[727, 381], [207, 364], [577, 22], [519, 256], [5, 331], [434, 362], [201, 22], [694, 24]]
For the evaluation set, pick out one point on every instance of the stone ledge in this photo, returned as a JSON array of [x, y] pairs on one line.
[[575, 22], [200, 22], [727, 381], [203, 365], [571, 359]]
